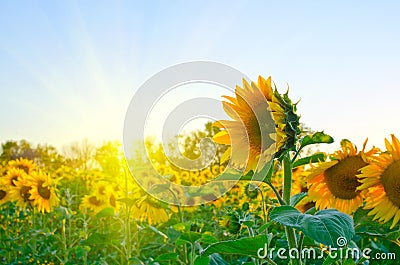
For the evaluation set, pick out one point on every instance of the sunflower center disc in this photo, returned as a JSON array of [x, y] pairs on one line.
[[102, 190], [24, 168], [24, 192], [391, 182], [341, 178], [94, 201], [15, 178], [2, 194], [44, 191], [113, 201]]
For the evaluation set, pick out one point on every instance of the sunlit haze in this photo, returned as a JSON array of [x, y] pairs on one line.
[[68, 69]]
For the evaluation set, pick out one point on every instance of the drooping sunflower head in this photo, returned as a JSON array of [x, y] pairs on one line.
[[248, 134], [381, 180], [150, 210], [22, 163], [231, 222], [287, 122], [334, 184], [43, 191], [251, 191], [264, 123]]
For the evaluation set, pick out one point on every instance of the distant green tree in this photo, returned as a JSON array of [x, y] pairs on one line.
[[43, 155], [110, 156], [80, 155]]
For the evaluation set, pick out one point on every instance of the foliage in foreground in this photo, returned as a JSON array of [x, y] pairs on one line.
[[84, 207]]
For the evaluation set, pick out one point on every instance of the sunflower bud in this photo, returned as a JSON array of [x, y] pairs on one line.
[[231, 222]]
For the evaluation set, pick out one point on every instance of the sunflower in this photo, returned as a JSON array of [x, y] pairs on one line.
[[114, 194], [334, 184], [175, 178], [12, 175], [261, 117], [300, 185], [4, 194], [21, 193], [92, 203], [305, 204], [43, 191], [2, 171], [22, 163], [236, 195], [232, 222], [150, 210], [104, 194], [112, 201], [382, 180], [287, 122], [102, 190]]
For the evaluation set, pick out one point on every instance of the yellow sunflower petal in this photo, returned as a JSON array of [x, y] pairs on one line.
[[222, 137]]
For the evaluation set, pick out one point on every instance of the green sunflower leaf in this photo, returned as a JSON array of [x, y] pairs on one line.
[[295, 199], [208, 239], [233, 174], [331, 260], [159, 188], [317, 157], [247, 246], [263, 175], [167, 257], [190, 237], [216, 259], [155, 230], [329, 227], [106, 212], [135, 261], [202, 261], [317, 138], [128, 201], [97, 239]]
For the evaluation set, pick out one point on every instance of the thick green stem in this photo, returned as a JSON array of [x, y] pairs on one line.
[[287, 187], [7, 232], [280, 199], [192, 254], [263, 205], [64, 238], [287, 179], [270, 261], [251, 233], [127, 223], [180, 212], [34, 224], [300, 242]]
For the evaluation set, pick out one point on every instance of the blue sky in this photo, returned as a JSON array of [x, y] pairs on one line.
[[68, 69]]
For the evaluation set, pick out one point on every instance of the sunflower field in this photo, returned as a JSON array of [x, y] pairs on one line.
[[83, 205]]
